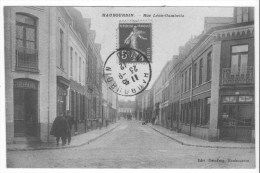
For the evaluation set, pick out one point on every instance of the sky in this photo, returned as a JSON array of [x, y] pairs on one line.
[[168, 33]]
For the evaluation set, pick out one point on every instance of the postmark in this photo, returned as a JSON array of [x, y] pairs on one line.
[[137, 36], [124, 78]]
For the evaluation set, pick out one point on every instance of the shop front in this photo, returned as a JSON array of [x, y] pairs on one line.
[[62, 86], [236, 121], [26, 108]]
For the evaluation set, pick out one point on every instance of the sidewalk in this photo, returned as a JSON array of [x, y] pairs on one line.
[[76, 141], [184, 139]]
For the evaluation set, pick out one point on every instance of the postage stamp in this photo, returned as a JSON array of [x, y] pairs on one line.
[[124, 78], [137, 36]]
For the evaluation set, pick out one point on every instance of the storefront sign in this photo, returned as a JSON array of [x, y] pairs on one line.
[[23, 83]]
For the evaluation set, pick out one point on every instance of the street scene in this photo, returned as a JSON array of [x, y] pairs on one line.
[[130, 87], [132, 145]]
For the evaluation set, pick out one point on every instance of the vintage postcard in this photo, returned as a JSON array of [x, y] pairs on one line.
[[131, 87]]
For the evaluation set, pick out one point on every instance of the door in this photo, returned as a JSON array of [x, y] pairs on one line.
[[25, 112]]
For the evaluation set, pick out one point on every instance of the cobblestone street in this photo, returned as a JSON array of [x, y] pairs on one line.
[[133, 145]]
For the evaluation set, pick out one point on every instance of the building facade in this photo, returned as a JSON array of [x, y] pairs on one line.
[[138, 107], [165, 114], [94, 77], [210, 83], [126, 109], [24, 63], [220, 106], [110, 104], [77, 58], [47, 71], [157, 90]]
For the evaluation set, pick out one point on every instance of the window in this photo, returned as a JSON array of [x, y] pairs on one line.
[[82, 103], [182, 76], [185, 113], [189, 113], [176, 84], [94, 72], [83, 72], [198, 113], [189, 86], [26, 47], [245, 14], [205, 119], [71, 61], [209, 66], [194, 112], [97, 76], [72, 104], [175, 111], [76, 66], [79, 69], [200, 71], [61, 48], [239, 15], [208, 100], [201, 111], [237, 115], [194, 75], [61, 99], [94, 105], [242, 14], [182, 113], [90, 63], [185, 81], [25, 31], [239, 59]]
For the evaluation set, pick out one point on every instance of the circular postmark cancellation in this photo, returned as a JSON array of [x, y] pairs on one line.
[[124, 77]]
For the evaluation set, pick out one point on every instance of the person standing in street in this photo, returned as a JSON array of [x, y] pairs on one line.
[[60, 129], [70, 122]]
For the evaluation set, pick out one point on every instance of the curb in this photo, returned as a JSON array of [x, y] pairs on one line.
[[65, 147], [193, 145]]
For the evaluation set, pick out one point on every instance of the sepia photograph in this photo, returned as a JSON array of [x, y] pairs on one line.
[[132, 87]]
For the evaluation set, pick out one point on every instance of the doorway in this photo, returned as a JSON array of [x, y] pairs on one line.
[[25, 108]]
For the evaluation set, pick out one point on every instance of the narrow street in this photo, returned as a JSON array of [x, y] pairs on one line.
[[132, 145]]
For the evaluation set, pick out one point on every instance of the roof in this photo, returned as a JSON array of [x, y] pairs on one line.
[[204, 36], [78, 23]]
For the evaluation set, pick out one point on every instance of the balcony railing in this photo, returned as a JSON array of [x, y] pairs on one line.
[[236, 76], [27, 59]]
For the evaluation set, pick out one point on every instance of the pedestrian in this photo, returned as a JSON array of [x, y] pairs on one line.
[[60, 129], [70, 121]]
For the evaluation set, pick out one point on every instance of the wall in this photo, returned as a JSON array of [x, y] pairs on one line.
[[43, 31]]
